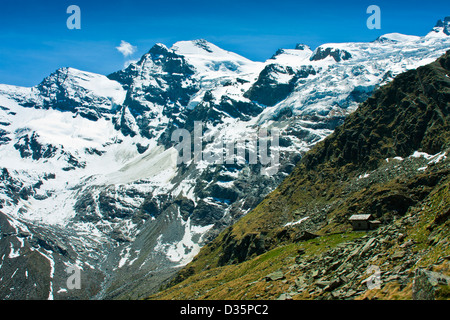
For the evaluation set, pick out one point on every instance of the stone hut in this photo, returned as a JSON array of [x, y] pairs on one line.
[[363, 222]]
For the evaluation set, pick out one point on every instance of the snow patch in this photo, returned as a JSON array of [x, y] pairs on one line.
[[366, 175], [124, 257], [290, 224], [98, 84], [13, 253], [49, 257]]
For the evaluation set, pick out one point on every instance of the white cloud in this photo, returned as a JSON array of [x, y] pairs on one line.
[[126, 48]]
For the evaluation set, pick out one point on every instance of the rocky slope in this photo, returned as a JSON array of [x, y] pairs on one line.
[[89, 176], [389, 159]]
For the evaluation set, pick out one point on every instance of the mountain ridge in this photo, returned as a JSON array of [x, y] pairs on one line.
[[78, 162]]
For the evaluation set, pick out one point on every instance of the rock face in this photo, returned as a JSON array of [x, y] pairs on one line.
[[89, 171], [268, 90], [336, 54], [239, 251], [442, 26]]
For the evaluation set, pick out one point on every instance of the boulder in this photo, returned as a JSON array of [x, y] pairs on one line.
[[426, 283], [277, 275], [322, 283], [398, 255], [284, 296], [369, 244]]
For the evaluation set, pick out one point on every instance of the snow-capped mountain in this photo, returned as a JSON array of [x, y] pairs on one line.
[[89, 173]]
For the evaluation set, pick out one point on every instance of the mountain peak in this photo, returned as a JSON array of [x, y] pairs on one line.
[[396, 37], [325, 51], [302, 46], [441, 27], [198, 47], [208, 58], [158, 48]]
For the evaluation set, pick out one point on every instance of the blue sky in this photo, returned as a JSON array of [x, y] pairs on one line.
[[35, 41]]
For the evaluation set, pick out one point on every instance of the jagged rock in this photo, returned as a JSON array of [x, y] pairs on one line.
[[301, 46], [268, 90], [337, 54], [141, 148]]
